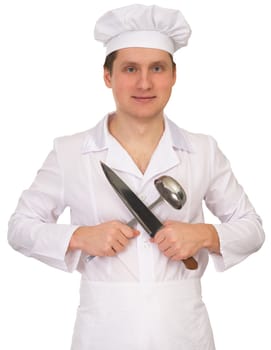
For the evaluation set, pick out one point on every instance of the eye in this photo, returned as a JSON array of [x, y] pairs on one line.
[[130, 69], [157, 69]]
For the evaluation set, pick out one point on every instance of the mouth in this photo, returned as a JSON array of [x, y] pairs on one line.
[[143, 98]]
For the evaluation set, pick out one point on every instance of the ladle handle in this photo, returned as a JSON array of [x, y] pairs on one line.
[[132, 222], [190, 263]]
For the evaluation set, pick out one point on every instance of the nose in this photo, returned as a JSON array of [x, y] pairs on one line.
[[144, 80]]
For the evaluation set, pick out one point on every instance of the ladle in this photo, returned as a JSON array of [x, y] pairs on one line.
[[172, 193]]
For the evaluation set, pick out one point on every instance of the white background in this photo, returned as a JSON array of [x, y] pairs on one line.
[[51, 85]]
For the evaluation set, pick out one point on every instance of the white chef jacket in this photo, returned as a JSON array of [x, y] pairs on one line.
[[138, 299]]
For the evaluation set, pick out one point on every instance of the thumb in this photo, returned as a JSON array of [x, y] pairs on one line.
[[136, 233]]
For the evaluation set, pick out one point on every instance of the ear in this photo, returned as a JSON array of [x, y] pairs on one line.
[[174, 76], [107, 78]]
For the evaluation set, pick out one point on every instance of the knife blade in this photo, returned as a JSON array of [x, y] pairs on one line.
[[139, 210]]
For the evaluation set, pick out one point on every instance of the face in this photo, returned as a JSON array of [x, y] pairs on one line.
[[141, 82]]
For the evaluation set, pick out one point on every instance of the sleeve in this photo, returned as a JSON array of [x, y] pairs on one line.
[[240, 229], [33, 228]]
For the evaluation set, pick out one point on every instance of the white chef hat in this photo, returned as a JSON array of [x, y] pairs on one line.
[[142, 26]]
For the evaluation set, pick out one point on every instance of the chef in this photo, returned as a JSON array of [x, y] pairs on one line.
[[136, 293]]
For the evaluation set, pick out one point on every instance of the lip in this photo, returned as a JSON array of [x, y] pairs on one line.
[[143, 98]]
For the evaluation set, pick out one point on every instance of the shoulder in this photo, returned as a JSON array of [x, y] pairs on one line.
[[191, 141], [201, 141], [72, 141], [89, 140], [79, 140]]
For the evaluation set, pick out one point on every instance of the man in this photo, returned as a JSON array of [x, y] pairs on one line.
[[137, 293]]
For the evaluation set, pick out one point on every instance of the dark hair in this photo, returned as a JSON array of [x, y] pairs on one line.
[[109, 60]]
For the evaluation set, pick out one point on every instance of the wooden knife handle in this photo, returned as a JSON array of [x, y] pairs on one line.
[[190, 263]]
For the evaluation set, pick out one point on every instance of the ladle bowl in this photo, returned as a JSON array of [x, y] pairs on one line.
[[171, 191]]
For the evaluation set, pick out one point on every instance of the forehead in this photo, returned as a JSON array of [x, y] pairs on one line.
[[142, 55]]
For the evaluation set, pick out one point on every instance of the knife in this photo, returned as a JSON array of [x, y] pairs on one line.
[[140, 211]]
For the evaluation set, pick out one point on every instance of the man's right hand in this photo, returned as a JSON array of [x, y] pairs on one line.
[[107, 239]]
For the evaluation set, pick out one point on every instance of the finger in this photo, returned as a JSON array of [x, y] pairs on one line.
[[176, 257], [170, 252], [164, 244], [110, 252], [123, 240], [128, 232], [136, 233], [159, 238], [167, 223], [117, 247]]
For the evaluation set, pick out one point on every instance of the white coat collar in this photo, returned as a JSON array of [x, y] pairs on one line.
[[99, 139]]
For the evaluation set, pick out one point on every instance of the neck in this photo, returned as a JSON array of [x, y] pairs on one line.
[[138, 137], [125, 128]]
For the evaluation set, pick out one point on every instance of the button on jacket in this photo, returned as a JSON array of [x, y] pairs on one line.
[[138, 299]]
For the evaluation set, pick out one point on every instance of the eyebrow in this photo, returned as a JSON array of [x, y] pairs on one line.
[[155, 63]]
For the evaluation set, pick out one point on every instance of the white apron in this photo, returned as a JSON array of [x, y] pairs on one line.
[[145, 316]]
